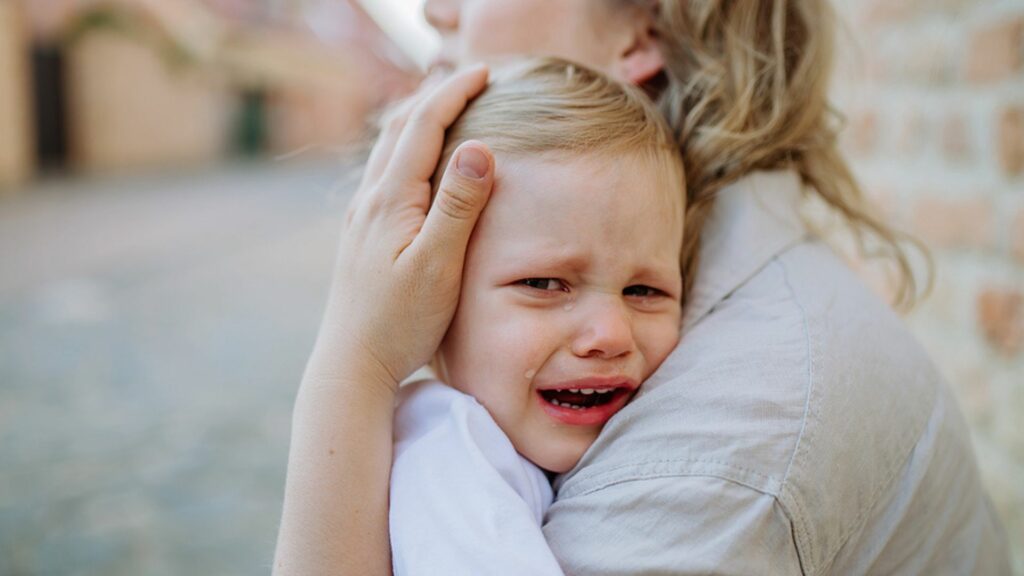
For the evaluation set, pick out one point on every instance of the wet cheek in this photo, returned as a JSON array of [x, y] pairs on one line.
[[660, 340], [500, 350], [520, 345]]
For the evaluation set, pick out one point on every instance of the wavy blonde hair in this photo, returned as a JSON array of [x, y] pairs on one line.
[[745, 88]]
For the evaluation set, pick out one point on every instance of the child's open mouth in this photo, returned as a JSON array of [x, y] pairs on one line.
[[584, 406], [581, 398]]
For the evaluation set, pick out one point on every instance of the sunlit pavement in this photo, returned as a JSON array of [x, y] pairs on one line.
[[153, 331]]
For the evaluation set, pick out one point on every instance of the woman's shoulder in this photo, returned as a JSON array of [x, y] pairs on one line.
[[800, 384], [800, 358], [803, 386]]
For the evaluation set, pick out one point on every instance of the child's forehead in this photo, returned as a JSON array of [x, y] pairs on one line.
[[555, 200], [580, 182]]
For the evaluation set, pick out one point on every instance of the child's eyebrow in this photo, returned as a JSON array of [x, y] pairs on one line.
[[548, 259], [561, 260]]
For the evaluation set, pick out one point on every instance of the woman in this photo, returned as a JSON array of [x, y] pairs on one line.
[[796, 428]]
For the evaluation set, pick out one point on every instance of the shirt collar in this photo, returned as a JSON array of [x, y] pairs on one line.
[[752, 221]]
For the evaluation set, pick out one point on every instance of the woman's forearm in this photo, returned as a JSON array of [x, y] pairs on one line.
[[336, 497], [395, 289]]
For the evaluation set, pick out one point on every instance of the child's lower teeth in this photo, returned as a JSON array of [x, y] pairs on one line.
[[565, 404]]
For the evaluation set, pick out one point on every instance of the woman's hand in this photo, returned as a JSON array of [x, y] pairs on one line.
[[399, 268], [396, 285]]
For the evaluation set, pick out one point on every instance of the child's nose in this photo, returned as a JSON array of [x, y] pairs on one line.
[[605, 330]]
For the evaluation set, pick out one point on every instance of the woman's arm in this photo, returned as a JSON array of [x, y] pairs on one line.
[[395, 288]]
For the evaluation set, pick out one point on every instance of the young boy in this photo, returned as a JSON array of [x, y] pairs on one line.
[[570, 300]]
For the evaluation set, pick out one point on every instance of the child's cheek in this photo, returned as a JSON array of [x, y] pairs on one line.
[[522, 337], [657, 337]]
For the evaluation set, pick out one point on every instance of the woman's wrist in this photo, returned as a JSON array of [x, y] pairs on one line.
[[340, 363]]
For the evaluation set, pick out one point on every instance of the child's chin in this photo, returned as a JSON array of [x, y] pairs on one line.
[[557, 463]]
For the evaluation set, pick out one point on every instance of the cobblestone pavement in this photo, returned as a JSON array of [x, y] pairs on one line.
[[153, 331]]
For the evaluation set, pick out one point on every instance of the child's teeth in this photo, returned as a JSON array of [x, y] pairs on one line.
[[587, 391], [565, 404], [604, 391], [574, 390]]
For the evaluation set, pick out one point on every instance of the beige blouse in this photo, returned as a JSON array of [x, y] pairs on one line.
[[798, 428]]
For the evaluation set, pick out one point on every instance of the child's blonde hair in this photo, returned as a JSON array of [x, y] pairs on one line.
[[550, 105], [547, 105]]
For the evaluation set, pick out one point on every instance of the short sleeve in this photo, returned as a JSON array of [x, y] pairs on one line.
[[463, 502], [672, 525]]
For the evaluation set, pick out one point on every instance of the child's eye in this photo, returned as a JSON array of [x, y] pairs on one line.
[[641, 291], [546, 284]]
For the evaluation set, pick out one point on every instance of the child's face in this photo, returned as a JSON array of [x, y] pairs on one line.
[[572, 282]]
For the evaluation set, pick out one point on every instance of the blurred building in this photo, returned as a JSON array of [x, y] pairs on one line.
[[133, 84], [16, 141]]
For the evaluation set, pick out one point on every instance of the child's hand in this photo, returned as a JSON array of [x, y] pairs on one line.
[[399, 269]]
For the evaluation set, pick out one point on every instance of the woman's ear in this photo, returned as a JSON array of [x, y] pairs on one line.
[[640, 59]]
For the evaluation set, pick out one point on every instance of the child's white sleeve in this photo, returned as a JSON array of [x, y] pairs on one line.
[[462, 500]]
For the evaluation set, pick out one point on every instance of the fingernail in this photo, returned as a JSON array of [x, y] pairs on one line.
[[472, 163]]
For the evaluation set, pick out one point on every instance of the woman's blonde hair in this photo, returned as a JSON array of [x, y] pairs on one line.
[[545, 105], [745, 88]]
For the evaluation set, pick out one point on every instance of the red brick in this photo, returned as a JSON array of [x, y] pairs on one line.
[[1000, 315], [1017, 237], [963, 223], [995, 50], [956, 143], [1010, 131]]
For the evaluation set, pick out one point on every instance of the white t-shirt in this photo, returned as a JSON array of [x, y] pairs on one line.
[[463, 501]]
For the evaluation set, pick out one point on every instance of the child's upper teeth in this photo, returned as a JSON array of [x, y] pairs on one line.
[[587, 391], [604, 391], [574, 390]]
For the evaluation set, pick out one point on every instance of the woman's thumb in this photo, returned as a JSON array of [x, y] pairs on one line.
[[462, 195]]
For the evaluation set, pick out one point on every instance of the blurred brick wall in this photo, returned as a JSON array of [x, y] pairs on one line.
[[15, 109], [129, 108], [934, 95]]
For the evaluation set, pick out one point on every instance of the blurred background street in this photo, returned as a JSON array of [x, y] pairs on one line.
[[152, 334], [172, 176]]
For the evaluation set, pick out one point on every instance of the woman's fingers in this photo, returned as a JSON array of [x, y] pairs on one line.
[[380, 154], [391, 129], [435, 91], [464, 190], [419, 146]]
